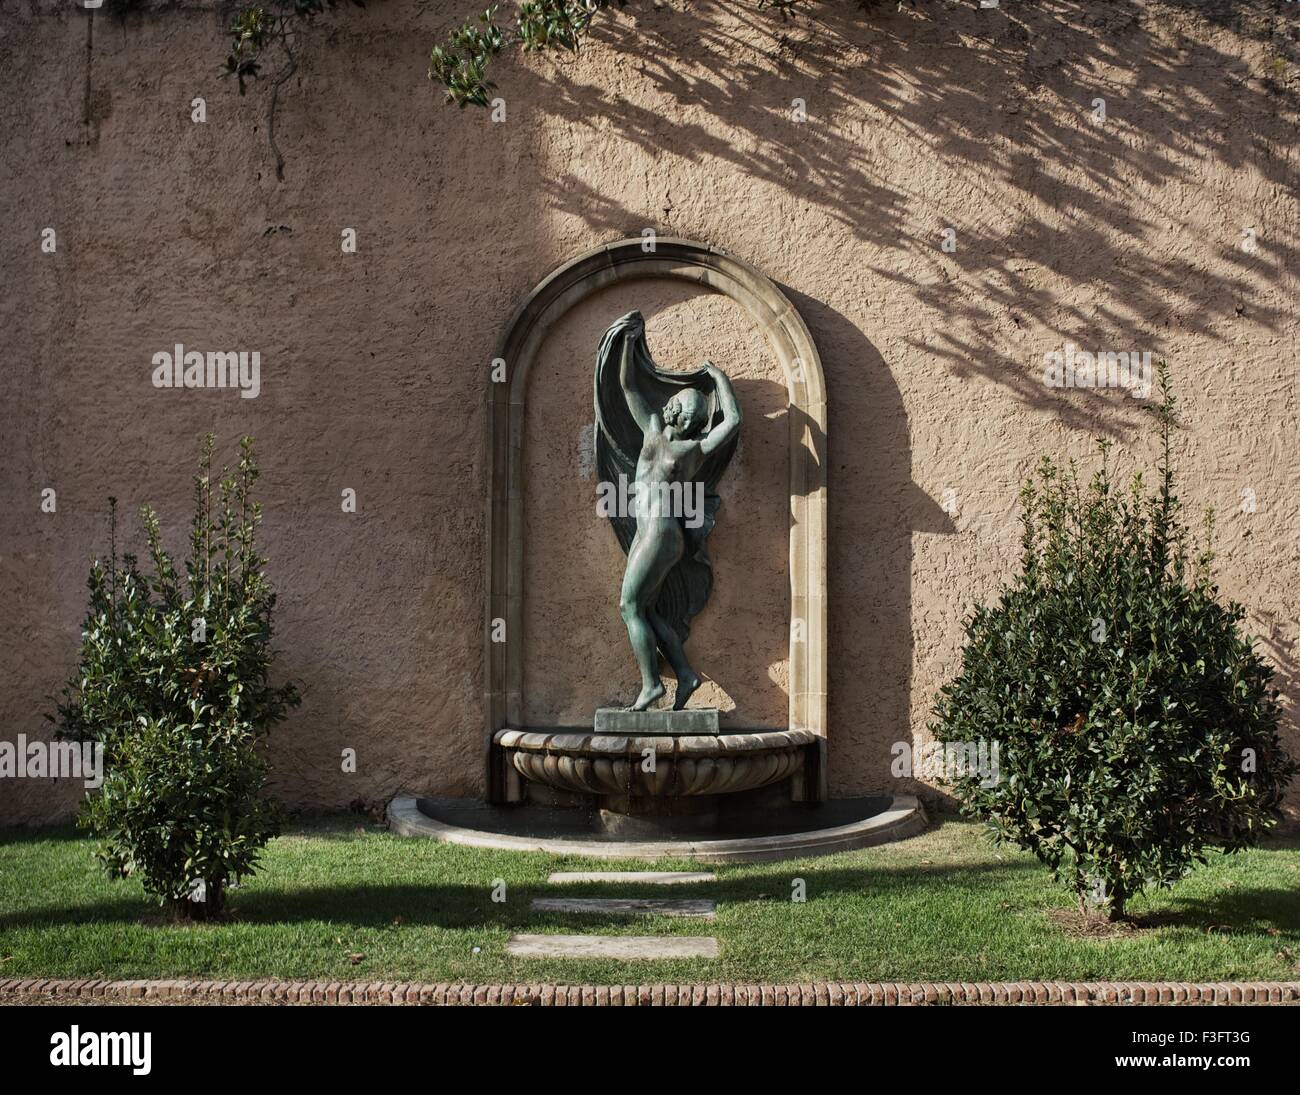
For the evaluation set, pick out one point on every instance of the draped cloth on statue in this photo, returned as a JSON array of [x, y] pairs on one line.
[[618, 446]]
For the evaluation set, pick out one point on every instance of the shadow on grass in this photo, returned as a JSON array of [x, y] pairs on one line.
[[1235, 910], [1001, 886], [991, 885], [470, 904]]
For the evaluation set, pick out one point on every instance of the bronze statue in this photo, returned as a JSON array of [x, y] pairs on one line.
[[674, 458]]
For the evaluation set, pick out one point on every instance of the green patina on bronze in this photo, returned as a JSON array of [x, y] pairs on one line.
[[672, 435]]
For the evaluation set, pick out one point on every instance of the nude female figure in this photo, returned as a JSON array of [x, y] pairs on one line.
[[672, 450]]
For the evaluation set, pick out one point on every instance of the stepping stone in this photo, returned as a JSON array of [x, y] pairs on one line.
[[612, 946], [621, 906], [654, 878]]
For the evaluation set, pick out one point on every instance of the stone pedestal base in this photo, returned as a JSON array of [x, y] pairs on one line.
[[616, 720]]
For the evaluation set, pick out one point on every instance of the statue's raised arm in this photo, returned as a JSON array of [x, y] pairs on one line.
[[641, 410], [727, 429]]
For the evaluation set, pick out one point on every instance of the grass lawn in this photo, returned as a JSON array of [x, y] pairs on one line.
[[944, 906]]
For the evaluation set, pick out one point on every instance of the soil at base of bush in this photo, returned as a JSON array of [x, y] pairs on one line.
[[1088, 926]]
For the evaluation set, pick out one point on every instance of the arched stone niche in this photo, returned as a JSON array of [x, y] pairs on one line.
[[784, 329]]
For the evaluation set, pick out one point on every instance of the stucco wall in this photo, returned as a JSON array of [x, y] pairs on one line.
[[1121, 235]]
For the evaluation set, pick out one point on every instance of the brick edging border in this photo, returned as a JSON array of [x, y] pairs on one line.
[[707, 995]]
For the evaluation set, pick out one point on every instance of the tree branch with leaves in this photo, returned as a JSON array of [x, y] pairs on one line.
[[270, 28], [461, 64]]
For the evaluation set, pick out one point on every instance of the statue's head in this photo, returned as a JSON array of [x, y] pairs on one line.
[[686, 413]]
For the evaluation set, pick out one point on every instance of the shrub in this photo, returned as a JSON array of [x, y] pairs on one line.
[[1136, 724], [174, 679]]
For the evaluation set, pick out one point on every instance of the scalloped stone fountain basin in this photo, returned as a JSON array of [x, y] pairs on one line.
[[655, 766]]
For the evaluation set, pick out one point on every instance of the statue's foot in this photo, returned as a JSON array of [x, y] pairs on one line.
[[648, 696], [685, 686]]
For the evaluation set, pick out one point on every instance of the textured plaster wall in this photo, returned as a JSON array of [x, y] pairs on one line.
[[1121, 235]]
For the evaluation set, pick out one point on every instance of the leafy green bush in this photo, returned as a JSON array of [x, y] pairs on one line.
[[1136, 724], [183, 808], [174, 679]]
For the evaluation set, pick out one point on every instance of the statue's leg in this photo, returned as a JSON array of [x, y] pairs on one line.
[[687, 679], [655, 549]]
